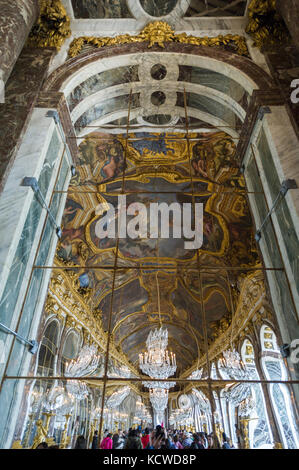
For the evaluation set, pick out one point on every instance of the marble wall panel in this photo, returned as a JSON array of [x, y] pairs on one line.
[[100, 9], [289, 11], [158, 7], [21, 92], [209, 8], [56, 101], [16, 20], [283, 62]]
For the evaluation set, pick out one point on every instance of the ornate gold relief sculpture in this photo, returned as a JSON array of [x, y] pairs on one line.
[[159, 32], [265, 25], [53, 26]]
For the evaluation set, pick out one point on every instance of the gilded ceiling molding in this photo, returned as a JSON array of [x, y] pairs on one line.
[[251, 300], [64, 296], [52, 27], [159, 32], [265, 25]]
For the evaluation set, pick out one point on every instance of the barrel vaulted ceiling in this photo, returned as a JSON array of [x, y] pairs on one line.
[[157, 279]]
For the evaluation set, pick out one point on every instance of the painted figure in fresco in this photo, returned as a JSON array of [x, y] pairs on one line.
[[212, 155], [115, 165], [155, 145], [104, 156]]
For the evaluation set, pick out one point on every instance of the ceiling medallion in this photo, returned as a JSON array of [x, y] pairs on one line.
[[159, 32]]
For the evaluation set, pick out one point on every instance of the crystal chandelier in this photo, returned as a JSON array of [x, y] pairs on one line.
[[201, 400], [233, 367], [159, 399], [157, 362], [118, 397], [166, 385], [85, 364], [196, 374], [246, 407]]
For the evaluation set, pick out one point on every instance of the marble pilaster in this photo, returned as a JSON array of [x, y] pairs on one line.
[[289, 11], [16, 21], [21, 93]]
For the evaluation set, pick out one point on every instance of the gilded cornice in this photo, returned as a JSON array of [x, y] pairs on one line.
[[52, 27], [159, 32], [265, 24], [65, 299]]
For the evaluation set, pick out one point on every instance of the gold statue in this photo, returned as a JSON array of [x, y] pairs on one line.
[[40, 435]]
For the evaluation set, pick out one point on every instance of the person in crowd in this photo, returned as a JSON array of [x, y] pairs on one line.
[[203, 439], [145, 438], [166, 443], [187, 440], [210, 441], [133, 441], [122, 439], [177, 443], [225, 443], [81, 442], [107, 442], [42, 445], [157, 438], [197, 442], [171, 443], [95, 440], [117, 442]]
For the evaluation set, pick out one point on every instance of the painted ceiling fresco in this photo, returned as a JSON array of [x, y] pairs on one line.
[[157, 168]]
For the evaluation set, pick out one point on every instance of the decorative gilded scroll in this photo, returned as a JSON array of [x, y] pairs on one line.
[[265, 25], [53, 26], [159, 32]]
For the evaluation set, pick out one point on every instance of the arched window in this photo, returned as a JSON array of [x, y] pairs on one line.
[[48, 349], [275, 369], [260, 434], [71, 347]]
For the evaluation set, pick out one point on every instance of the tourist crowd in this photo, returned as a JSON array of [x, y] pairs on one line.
[[158, 438]]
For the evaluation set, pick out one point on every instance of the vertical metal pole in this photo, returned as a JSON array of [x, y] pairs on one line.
[[113, 284]]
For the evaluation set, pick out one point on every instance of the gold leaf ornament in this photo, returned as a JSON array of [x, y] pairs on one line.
[[265, 25], [160, 33], [52, 27]]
